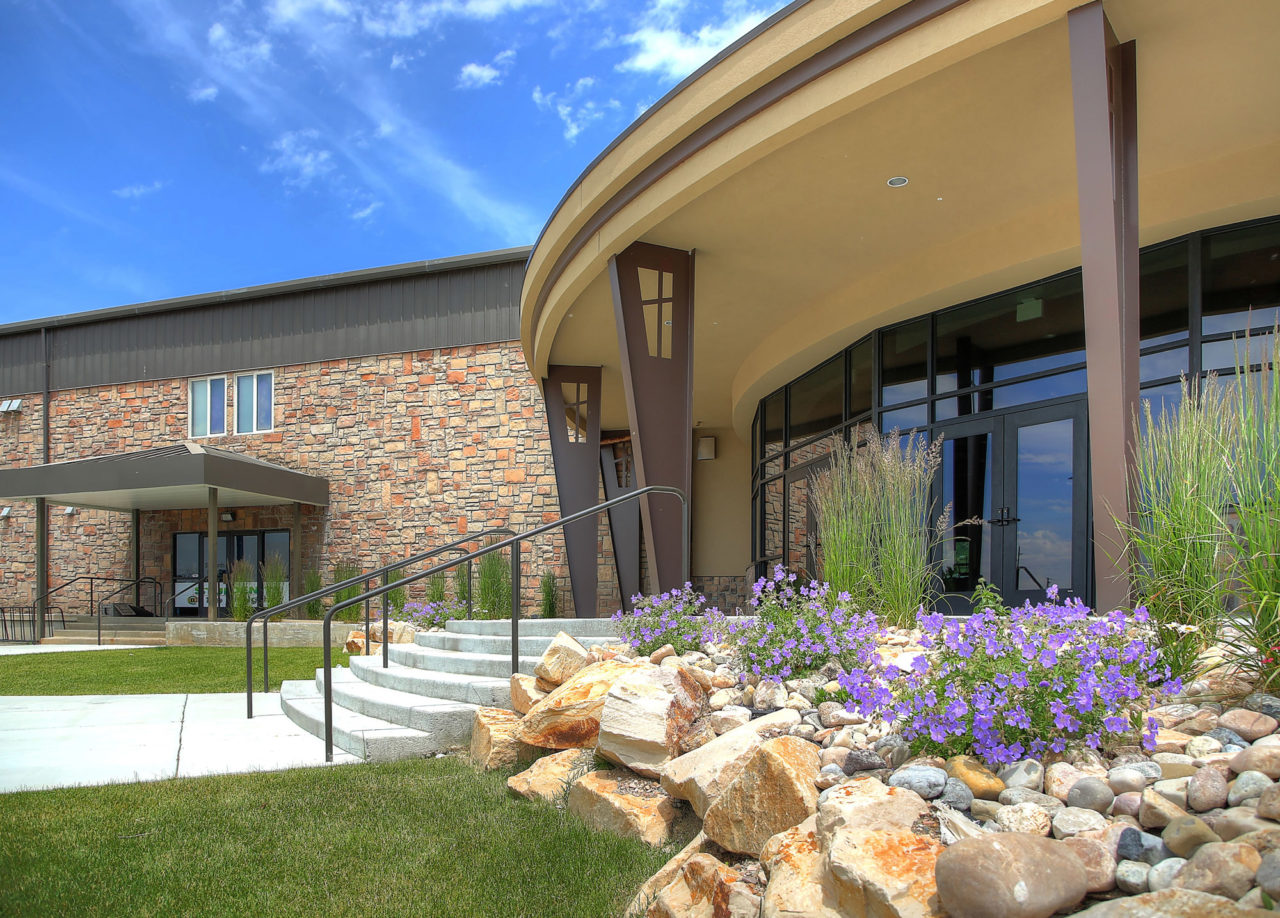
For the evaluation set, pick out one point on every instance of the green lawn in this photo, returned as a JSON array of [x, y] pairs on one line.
[[429, 838], [158, 670]]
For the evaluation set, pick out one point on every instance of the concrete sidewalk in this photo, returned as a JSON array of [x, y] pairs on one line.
[[10, 650], [66, 740]]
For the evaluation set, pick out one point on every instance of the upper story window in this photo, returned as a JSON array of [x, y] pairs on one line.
[[207, 406], [255, 402]]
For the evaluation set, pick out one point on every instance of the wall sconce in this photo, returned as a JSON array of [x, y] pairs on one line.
[[5, 512], [706, 447], [227, 516], [68, 511]]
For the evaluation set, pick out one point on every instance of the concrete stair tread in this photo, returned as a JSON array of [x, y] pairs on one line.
[[479, 690], [448, 721], [369, 738], [462, 662], [530, 645], [534, 627]]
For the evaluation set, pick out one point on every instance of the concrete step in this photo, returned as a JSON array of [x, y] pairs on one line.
[[480, 690], [478, 643], [141, 638], [535, 627], [369, 738], [494, 665], [449, 722]]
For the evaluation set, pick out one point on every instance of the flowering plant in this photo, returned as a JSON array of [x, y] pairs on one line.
[[677, 617], [1008, 684], [793, 631], [427, 614]]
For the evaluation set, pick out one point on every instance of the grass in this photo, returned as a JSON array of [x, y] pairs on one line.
[[160, 670], [421, 837]]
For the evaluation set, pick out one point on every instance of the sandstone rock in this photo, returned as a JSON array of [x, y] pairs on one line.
[[799, 884], [773, 792], [1072, 820], [627, 805], [884, 873], [1026, 818], [702, 775], [569, 717], [1157, 811], [865, 803], [770, 696], [976, 776], [1171, 903], [700, 889], [700, 733], [1222, 869], [1059, 778], [562, 660], [996, 875], [1028, 773], [1251, 725], [494, 740], [646, 717], [525, 693], [550, 777], [1207, 790], [1098, 860], [1186, 834], [666, 873], [1265, 759], [727, 718]]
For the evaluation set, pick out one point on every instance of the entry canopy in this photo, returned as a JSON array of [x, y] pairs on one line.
[[174, 477]]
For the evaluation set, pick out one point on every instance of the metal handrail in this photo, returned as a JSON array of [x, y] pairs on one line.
[[21, 612], [92, 578], [132, 583], [267, 614], [514, 543]]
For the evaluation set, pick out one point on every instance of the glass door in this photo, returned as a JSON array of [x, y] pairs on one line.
[[190, 580]]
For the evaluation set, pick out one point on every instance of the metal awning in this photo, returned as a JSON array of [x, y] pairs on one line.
[[174, 477]]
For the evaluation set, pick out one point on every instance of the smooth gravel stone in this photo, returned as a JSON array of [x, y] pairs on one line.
[[1171, 758], [1269, 803], [1268, 877], [1098, 859], [826, 779], [862, 759], [1129, 804], [1136, 845], [893, 749], [1201, 746], [1186, 834], [1091, 794], [982, 810], [813, 720], [804, 731], [1131, 876], [1251, 725], [832, 769], [1223, 869], [1174, 790], [1162, 874], [1073, 820], [1171, 771], [1232, 747], [1027, 774], [1012, 796], [1248, 785], [1149, 769], [1262, 703], [1207, 790], [1227, 737], [1008, 877], [956, 794], [1240, 820], [1126, 780], [925, 780], [1273, 740], [1026, 818]]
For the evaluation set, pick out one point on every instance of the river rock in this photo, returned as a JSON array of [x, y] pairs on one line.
[[1201, 746], [550, 777], [1172, 903], [1091, 794], [1265, 759], [1262, 703], [1157, 811], [1098, 860], [1028, 773], [1207, 790], [956, 795], [562, 659], [1268, 876], [893, 749], [1072, 820], [834, 714], [1238, 820], [1059, 778], [975, 775], [702, 775], [925, 780], [1186, 834], [773, 792], [1249, 785], [1012, 796], [1223, 869], [647, 717], [998, 876], [1269, 802], [1024, 817], [1162, 874], [1251, 725], [625, 804], [1127, 805], [569, 717], [1132, 876], [1136, 845]]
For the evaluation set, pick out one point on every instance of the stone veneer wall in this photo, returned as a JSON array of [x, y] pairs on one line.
[[727, 593], [419, 448]]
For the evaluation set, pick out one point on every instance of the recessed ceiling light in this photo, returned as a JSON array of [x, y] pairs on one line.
[[897, 181]]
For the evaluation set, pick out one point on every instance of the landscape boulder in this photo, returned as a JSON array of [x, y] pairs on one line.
[[569, 717], [494, 743], [1009, 876], [625, 804], [647, 716], [799, 883], [700, 889], [773, 792], [525, 693], [561, 660], [550, 777]]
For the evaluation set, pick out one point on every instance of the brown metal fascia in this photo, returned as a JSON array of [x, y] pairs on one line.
[[854, 45]]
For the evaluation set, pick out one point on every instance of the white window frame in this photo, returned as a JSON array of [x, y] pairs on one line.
[[254, 413], [191, 414]]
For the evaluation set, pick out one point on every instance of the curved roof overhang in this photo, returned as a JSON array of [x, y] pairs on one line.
[[771, 163]]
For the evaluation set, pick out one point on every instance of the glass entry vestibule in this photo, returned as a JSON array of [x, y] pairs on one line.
[[190, 574]]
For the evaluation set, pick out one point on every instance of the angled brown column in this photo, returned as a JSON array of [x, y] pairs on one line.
[[1104, 100], [653, 309], [572, 397], [618, 470]]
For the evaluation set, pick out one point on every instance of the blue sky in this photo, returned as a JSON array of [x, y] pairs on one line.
[[157, 148]]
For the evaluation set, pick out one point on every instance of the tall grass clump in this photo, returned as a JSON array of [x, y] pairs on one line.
[[462, 584], [1180, 487], [274, 574], [239, 582], [345, 570], [493, 591], [437, 590], [550, 595], [399, 596], [311, 582], [874, 508], [1254, 400]]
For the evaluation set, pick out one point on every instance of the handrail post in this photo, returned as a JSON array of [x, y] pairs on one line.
[[367, 636], [469, 593], [386, 616], [515, 607], [248, 669], [93, 608], [266, 679], [326, 630]]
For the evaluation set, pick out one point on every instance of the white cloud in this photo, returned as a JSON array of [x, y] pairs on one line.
[[238, 52], [365, 212], [576, 112], [202, 92], [476, 76], [284, 12], [664, 48], [403, 19], [299, 157], [139, 191]]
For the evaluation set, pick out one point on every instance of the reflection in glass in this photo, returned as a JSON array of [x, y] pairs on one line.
[[861, 383], [966, 486], [904, 418], [1044, 482], [1162, 294], [1242, 279], [771, 519], [817, 400], [1161, 399], [1038, 390], [1028, 331], [802, 531], [904, 352], [1162, 364], [1227, 355], [186, 557], [773, 409]]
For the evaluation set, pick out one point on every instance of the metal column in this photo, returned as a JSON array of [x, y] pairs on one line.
[[653, 311], [572, 396], [135, 549], [1103, 89], [211, 556], [296, 587]]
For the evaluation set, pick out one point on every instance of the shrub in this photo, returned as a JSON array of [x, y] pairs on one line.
[[550, 595], [678, 618], [239, 588], [793, 632], [345, 570], [493, 592], [274, 574], [312, 583], [1005, 685], [1179, 491]]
